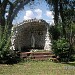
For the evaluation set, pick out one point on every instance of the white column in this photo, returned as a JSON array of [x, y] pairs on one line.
[[47, 41]]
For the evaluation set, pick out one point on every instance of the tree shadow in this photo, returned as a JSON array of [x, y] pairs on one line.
[[71, 63]]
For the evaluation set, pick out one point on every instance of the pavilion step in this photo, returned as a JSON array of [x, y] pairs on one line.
[[52, 59], [38, 56], [41, 56], [35, 54]]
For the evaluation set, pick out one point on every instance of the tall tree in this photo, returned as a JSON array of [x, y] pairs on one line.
[[64, 9], [12, 8], [55, 6]]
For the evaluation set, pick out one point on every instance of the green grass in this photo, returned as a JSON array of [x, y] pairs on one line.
[[38, 68]]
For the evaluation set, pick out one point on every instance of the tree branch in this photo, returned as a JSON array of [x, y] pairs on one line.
[[16, 10]]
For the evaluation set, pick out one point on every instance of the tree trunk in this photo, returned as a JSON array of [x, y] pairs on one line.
[[2, 13], [9, 22], [56, 12], [62, 17]]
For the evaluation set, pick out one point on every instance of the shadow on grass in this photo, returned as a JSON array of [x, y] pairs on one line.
[[71, 63]]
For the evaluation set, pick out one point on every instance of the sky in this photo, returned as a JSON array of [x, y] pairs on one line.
[[39, 10]]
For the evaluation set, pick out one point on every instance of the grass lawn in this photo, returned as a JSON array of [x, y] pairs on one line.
[[38, 68]]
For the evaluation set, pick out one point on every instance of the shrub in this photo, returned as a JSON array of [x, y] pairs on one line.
[[61, 48], [6, 55]]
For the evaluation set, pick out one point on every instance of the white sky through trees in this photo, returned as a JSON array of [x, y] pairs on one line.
[[38, 11]]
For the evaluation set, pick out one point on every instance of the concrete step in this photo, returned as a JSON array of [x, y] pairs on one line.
[[42, 56], [39, 56], [51, 59], [36, 54]]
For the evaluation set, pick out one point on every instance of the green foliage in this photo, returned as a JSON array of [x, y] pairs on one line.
[[61, 48], [4, 39], [6, 55]]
